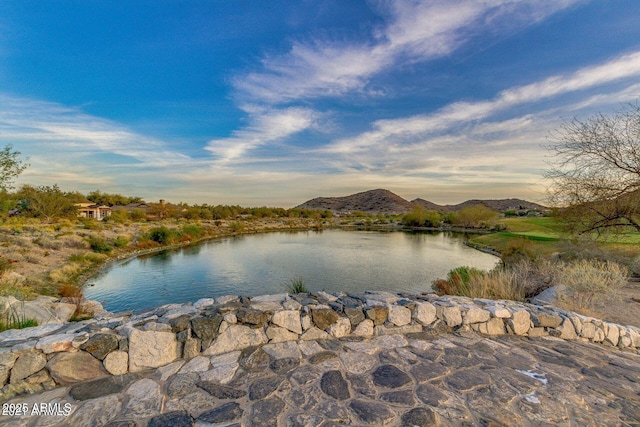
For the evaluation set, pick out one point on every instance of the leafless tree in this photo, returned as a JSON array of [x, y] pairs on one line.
[[595, 176]]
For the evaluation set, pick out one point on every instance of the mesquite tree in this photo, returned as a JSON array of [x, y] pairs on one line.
[[595, 177]]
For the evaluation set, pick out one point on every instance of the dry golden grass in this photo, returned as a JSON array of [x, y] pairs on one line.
[[590, 283]]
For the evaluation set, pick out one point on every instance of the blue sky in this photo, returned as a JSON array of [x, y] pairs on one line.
[[273, 103]]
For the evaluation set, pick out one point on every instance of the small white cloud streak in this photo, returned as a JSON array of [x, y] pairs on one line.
[[416, 31], [267, 126]]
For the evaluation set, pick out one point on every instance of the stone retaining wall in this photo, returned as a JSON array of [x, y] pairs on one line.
[[47, 356]]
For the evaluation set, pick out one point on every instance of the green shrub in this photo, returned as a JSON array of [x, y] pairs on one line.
[[161, 235], [120, 241], [193, 230], [237, 226], [98, 244]]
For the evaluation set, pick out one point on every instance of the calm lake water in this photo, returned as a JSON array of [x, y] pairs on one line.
[[330, 260]]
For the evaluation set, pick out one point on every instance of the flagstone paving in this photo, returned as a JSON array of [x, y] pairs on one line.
[[415, 379]]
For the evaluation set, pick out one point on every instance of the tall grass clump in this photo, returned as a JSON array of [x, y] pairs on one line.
[[296, 286], [471, 282], [589, 282]]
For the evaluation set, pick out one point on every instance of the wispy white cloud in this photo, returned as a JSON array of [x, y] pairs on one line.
[[61, 129], [266, 126], [406, 130], [415, 31]]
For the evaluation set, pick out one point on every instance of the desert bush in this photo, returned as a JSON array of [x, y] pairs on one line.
[[98, 244], [5, 265], [237, 226], [193, 231], [589, 282], [73, 241], [91, 224], [420, 217], [70, 291], [161, 235], [120, 241], [46, 242], [518, 250]]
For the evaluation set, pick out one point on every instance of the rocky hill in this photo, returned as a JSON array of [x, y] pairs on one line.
[[384, 201], [372, 201], [499, 205]]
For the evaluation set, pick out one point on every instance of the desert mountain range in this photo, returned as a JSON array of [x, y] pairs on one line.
[[384, 201]]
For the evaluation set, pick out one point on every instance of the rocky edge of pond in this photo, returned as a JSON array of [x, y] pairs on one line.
[[116, 344]]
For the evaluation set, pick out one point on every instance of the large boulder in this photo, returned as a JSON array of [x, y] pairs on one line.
[[68, 368], [151, 349]]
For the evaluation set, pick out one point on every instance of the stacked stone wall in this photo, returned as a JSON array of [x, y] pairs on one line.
[[48, 356]]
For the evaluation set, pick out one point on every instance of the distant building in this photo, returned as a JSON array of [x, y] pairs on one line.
[[93, 210]]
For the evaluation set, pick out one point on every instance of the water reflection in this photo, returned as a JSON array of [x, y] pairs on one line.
[[331, 260]]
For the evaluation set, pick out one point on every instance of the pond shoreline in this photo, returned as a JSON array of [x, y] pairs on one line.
[[337, 259], [81, 281]]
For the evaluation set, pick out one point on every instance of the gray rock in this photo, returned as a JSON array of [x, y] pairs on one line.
[[99, 345], [430, 395], [390, 376], [544, 319], [451, 315], [322, 356], [252, 316], [403, 397], [171, 419], [354, 314], [333, 384], [69, 368], [399, 316], [378, 314], [223, 369], [206, 328], [151, 349], [145, 399], [284, 365], [371, 411], [288, 319], [116, 362], [324, 317], [277, 334], [263, 387], [56, 343], [27, 364], [224, 413], [357, 363], [341, 328], [221, 391], [236, 337], [520, 322], [364, 328], [265, 412], [424, 313], [419, 417], [101, 387], [182, 384], [467, 380]]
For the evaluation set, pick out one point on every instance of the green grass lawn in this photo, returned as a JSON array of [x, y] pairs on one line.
[[544, 236]]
